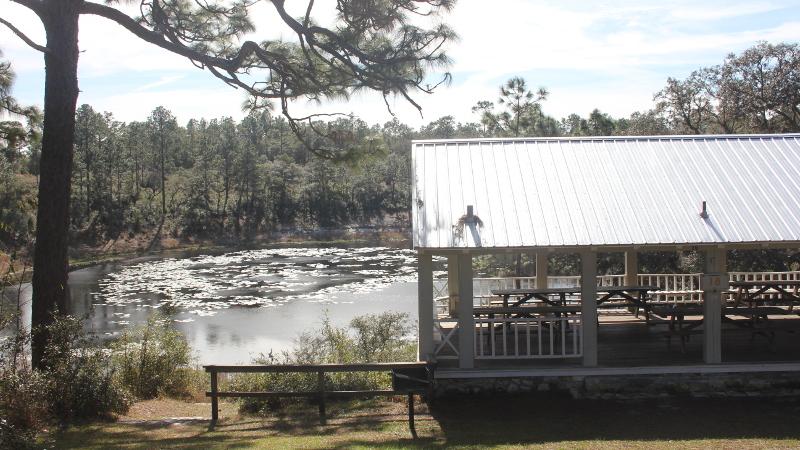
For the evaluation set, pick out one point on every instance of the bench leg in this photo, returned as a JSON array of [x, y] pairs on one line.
[[411, 425]]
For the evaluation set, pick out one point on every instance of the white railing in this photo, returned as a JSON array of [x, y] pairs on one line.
[[575, 280], [767, 276], [675, 287], [528, 338], [445, 337], [764, 276]]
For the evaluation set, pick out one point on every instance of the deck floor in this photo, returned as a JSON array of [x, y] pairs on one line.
[[627, 341]]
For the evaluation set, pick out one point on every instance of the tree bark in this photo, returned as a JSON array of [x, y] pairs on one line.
[[50, 263]]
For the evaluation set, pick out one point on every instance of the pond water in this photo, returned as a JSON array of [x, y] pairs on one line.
[[233, 306]]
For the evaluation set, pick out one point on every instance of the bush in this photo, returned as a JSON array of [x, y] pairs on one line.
[[154, 359], [15, 437], [79, 381], [22, 408], [383, 337]]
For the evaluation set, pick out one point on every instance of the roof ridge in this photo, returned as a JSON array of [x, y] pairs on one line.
[[665, 137]]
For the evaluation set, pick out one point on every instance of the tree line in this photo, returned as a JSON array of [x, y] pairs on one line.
[[223, 178]]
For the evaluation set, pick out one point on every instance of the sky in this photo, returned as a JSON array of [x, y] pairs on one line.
[[610, 55]]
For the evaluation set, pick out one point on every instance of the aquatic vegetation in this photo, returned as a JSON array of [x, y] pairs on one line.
[[254, 278]]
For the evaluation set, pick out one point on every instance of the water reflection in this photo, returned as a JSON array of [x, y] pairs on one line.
[[235, 305]]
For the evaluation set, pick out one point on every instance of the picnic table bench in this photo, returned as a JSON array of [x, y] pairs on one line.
[[523, 311]]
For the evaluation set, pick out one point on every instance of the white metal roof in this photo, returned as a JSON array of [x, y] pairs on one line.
[[566, 192]]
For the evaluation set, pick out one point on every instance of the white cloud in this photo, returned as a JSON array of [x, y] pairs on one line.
[[163, 81], [719, 12]]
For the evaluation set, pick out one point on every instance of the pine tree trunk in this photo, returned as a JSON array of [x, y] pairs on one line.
[[50, 264]]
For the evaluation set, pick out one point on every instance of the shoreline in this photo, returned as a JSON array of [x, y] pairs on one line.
[[389, 237]]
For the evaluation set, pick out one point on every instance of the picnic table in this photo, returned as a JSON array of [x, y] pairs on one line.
[[543, 295], [750, 292], [633, 296], [755, 320]]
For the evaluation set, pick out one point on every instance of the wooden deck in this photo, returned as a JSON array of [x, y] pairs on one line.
[[627, 341]]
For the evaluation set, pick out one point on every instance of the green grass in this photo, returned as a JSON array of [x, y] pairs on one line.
[[529, 421]]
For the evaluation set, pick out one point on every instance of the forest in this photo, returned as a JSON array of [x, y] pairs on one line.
[[235, 181]]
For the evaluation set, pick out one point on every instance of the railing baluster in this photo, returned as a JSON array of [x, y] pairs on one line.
[[492, 334], [539, 331], [574, 337], [480, 332], [505, 326], [528, 332]]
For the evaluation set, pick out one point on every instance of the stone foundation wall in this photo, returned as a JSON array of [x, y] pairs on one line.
[[629, 387]]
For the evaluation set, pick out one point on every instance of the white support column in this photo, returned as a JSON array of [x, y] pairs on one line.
[[631, 267], [425, 305], [715, 280], [589, 307], [541, 270], [466, 322]]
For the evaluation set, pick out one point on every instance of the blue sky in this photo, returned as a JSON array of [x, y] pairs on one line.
[[611, 55]]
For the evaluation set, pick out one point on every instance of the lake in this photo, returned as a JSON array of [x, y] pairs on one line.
[[234, 305]]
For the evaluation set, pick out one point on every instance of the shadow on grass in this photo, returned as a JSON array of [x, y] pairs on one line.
[[540, 419], [525, 420], [479, 421]]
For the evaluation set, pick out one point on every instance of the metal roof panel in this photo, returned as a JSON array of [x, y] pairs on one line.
[[606, 191]]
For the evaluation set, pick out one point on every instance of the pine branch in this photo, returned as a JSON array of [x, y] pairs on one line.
[[24, 38]]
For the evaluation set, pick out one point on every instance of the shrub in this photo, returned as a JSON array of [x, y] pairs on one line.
[[79, 382], [154, 359], [16, 437], [22, 408], [383, 337]]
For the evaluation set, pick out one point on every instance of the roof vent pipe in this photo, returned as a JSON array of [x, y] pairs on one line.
[[704, 212]]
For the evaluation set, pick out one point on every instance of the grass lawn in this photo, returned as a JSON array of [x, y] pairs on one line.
[[533, 421]]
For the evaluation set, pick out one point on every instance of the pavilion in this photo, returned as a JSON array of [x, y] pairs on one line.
[[473, 197]]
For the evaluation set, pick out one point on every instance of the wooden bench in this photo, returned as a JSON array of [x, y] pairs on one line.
[[408, 378]]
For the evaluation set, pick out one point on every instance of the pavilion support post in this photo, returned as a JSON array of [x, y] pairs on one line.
[[452, 285], [466, 322], [589, 307], [631, 267], [541, 270], [715, 281], [425, 305]]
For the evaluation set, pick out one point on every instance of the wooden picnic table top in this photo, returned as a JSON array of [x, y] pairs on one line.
[[764, 283], [572, 290], [524, 291], [484, 310]]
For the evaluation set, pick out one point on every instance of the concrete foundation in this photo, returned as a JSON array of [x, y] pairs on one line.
[[630, 387]]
